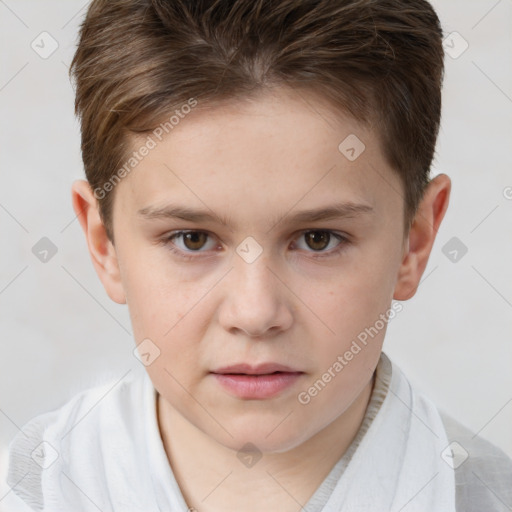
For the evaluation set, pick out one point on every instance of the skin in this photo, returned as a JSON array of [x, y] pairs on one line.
[[258, 163]]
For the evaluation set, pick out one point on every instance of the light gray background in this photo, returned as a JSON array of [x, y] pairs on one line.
[[59, 331]]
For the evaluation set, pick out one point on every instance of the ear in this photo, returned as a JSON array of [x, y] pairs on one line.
[[101, 249], [421, 236]]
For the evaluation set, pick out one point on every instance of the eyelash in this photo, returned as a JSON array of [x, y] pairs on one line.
[[167, 242]]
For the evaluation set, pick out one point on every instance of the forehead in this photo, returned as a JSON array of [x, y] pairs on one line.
[[261, 156]]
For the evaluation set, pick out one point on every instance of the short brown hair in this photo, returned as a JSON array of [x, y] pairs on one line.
[[380, 61]]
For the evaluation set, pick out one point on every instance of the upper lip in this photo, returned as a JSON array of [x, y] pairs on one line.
[[260, 369]]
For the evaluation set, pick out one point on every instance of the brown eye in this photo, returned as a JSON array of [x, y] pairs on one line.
[[190, 245], [322, 243], [317, 240], [194, 240]]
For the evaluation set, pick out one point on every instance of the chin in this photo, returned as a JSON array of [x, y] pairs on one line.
[[264, 439]]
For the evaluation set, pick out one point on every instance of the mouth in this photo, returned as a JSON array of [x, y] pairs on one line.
[[256, 382], [261, 369], [254, 374]]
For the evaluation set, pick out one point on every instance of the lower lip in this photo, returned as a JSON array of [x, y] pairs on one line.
[[257, 386]]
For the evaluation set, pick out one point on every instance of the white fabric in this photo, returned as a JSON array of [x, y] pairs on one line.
[[398, 464], [111, 457]]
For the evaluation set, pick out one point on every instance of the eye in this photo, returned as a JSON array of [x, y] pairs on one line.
[[320, 240], [192, 241]]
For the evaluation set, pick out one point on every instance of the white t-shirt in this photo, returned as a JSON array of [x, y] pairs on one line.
[[102, 450]]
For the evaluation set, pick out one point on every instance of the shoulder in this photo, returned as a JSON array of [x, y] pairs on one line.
[[46, 443], [483, 472]]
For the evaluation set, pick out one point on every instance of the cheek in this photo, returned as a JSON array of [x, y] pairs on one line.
[[173, 316], [352, 307], [353, 302], [157, 303]]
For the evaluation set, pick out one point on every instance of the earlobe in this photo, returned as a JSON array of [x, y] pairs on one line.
[[101, 249], [422, 235]]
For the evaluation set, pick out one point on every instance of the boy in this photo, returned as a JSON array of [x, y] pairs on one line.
[[294, 140]]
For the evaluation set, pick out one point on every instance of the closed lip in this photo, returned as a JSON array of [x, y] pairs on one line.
[[261, 369]]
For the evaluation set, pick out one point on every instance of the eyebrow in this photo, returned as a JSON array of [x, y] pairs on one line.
[[330, 212]]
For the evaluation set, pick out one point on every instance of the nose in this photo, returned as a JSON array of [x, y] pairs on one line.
[[256, 302]]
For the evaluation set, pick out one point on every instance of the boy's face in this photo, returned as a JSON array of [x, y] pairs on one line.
[[301, 302]]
